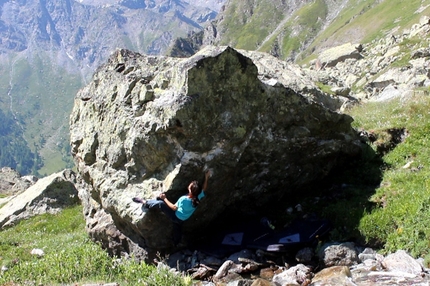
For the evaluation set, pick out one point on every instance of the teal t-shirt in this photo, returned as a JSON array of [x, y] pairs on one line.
[[185, 206]]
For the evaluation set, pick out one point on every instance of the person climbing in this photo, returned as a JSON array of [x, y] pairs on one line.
[[182, 209]]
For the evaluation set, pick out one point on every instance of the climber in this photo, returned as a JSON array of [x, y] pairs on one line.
[[182, 209]]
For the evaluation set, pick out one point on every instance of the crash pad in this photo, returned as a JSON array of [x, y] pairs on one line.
[[258, 235], [300, 233]]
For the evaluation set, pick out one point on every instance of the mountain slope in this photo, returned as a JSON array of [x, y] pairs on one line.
[[50, 48], [295, 30]]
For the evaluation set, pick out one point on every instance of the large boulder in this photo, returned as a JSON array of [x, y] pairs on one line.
[[48, 195], [148, 124], [12, 183], [332, 56]]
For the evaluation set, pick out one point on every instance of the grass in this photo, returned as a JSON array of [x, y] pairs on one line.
[[70, 257], [396, 13], [400, 214], [325, 88]]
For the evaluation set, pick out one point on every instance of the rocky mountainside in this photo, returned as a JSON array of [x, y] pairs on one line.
[[49, 49], [299, 30]]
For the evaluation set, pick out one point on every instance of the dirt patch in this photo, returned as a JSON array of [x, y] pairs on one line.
[[388, 139]]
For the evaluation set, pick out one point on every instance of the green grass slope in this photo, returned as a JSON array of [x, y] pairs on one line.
[[247, 23], [294, 35], [401, 213], [70, 257]]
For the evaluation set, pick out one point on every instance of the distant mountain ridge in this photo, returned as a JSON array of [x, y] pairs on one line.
[[87, 32], [50, 48], [211, 4]]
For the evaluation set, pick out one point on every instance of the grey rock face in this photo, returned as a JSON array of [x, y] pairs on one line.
[[150, 124], [343, 254]]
